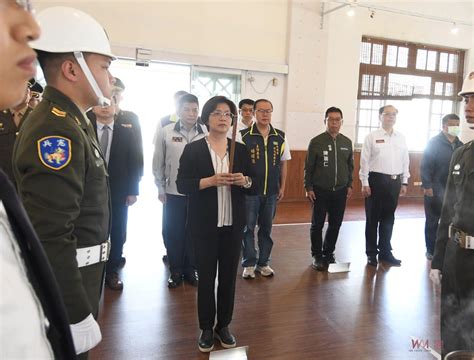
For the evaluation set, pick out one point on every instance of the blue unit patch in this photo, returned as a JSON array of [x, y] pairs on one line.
[[55, 152]]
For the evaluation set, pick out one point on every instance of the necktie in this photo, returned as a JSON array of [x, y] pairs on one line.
[[104, 140]]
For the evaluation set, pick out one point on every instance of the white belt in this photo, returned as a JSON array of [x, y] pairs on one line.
[[93, 254]]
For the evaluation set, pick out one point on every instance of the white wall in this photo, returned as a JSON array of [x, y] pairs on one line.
[[272, 38]]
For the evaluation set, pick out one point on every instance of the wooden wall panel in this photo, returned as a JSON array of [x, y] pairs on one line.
[[294, 184]]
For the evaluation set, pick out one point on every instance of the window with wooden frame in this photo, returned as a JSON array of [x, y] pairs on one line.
[[421, 81]]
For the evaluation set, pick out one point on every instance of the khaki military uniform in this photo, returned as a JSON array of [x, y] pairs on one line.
[[8, 132], [455, 262], [62, 180]]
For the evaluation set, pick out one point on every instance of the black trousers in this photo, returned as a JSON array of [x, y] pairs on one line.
[[222, 254], [178, 245], [380, 209], [457, 299], [118, 234], [332, 204], [433, 205]]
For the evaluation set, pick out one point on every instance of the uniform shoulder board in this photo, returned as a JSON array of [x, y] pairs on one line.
[[127, 125], [58, 112]]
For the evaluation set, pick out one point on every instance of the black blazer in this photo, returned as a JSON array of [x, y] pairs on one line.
[[195, 164], [39, 272], [125, 160]]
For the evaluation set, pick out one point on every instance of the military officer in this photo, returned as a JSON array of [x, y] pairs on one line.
[[59, 167], [11, 121], [36, 91], [454, 249]]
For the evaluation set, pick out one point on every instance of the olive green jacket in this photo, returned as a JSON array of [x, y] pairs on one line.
[[62, 180], [329, 163]]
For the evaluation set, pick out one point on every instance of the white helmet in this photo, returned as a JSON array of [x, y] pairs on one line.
[[468, 85], [66, 30]]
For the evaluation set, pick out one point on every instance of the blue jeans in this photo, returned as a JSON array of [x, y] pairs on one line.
[[260, 210]]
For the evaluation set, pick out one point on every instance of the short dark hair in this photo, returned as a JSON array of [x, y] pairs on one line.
[[179, 93], [246, 102], [51, 63], [448, 117], [211, 105], [261, 100], [333, 109], [382, 109], [188, 98]]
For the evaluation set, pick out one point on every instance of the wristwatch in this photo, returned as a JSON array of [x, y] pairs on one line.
[[248, 182]]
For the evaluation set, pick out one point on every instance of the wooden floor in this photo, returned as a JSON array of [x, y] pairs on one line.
[[299, 314]]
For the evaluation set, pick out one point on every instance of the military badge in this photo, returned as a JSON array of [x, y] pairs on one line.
[[55, 152], [127, 125]]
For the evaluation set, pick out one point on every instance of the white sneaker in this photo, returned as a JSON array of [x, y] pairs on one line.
[[249, 272], [265, 270]]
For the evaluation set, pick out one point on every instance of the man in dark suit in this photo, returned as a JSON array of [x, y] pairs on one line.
[[122, 151]]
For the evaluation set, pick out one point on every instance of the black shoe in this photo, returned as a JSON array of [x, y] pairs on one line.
[[225, 337], [390, 259], [113, 282], [122, 262], [175, 280], [429, 256], [321, 264], [191, 277], [372, 260], [318, 263], [206, 341], [330, 259]]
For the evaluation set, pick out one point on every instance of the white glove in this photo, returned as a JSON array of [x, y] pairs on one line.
[[435, 276], [85, 334]]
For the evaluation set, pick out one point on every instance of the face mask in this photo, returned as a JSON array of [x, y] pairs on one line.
[[454, 130]]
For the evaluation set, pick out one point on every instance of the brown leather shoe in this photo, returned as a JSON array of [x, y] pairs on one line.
[[113, 282]]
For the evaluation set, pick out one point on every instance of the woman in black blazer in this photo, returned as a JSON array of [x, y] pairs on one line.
[[216, 217]]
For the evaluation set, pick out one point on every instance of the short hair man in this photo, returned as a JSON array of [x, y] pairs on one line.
[[434, 174], [169, 146], [246, 113], [33, 320], [269, 153], [59, 168], [128, 117], [122, 152], [384, 175], [328, 182], [454, 250]]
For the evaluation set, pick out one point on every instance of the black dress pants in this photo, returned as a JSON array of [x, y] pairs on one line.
[[118, 234], [178, 245], [332, 203], [380, 209], [217, 253]]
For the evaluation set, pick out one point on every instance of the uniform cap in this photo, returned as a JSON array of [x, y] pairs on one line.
[[65, 30]]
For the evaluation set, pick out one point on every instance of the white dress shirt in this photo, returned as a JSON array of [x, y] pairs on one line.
[[100, 131], [224, 198], [22, 322], [384, 153]]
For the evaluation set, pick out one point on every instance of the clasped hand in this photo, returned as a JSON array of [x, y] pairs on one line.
[[223, 179]]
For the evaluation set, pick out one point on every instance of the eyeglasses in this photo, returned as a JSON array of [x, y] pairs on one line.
[[263, 111], [220, 114], [389, 114]]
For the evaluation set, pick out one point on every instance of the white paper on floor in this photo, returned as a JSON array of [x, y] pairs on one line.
[[239, 353], [339, 267]]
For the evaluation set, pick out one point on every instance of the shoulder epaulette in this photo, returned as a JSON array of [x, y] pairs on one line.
[[58, 112]]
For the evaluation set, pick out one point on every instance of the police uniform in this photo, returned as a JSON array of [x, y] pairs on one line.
[[129, 117], [454, 253], [62, 180], [328, 172], [8, 133]]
